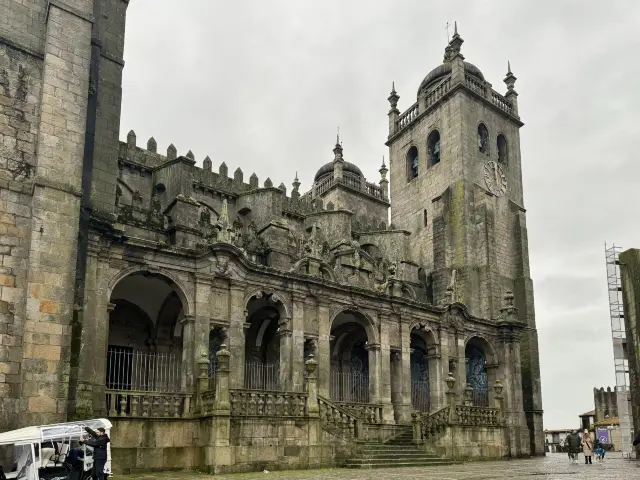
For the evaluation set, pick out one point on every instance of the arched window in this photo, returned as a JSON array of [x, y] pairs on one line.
[[433, 148], [425, 217], [483, 139], [412, 163], [502, 149]]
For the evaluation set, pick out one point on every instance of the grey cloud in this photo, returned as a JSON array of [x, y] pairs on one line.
[[263, 86]]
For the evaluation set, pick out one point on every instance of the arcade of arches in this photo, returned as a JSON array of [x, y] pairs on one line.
[[148, 351]]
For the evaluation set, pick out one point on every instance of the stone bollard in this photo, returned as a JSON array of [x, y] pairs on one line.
[[203, 381], [451, 395], [313, 410], [499, 398], [417, 427], [222, 405]]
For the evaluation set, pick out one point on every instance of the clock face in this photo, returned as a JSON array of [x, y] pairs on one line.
[[495, 178]]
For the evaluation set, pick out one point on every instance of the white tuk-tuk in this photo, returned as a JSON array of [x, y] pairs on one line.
[[53, 452]]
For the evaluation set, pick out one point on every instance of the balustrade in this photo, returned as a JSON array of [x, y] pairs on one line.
[[438, 92], [336, 419], [501, 102], [258, 402], [476, 416], [407, 117], [367, 412], [475, 85], [122, 403]]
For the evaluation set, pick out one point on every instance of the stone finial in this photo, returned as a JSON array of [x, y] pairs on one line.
[[238, 176], [190, 155], [498, 387], [383, 171], [311, 364], [172, 152], [152, 145], [337, 151], [450, 381], [455, 43], [207, 164], [508, 311], [510, 79], [296, 187], [283, 188], [268, 183], [131, 139], [223, 170], [508, 299], [253, 180], [393, 97], [223, 356]]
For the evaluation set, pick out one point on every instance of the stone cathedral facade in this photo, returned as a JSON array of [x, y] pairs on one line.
[[227, 323]]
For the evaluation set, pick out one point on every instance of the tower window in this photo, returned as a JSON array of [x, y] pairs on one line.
[[412, 163], [425, 217], [502, 149], [433, 147], [483, 139]]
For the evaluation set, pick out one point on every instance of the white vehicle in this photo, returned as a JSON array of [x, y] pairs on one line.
[[53, 452]]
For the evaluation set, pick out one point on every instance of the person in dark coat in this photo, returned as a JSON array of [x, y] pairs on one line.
[[99, 443], [636, 442], [574, 442]]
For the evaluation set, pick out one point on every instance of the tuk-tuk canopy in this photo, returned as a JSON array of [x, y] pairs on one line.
[[43, 433]]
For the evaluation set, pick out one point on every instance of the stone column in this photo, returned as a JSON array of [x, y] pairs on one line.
[[405, 359], [297, 343], [312, 387], [436, 394], [190, 354], [285, 335], [324, 349], [451, 396], [461, 364], [396, 384], [203, 383], [237, 329], [222, 411], [374, 372], [384, 362], [201, 321]]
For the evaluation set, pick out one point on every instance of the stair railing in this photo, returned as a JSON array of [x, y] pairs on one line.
[[334, 418], [426, 425]]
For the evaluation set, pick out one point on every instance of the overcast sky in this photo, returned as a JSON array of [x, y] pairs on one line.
[[263, 84]]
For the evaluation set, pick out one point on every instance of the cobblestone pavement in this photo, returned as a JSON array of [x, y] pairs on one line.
[[552, 467]]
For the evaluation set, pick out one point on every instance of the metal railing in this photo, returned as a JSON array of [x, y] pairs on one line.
[[349, 386], [480, 398], [143, 372], [262, 376], [420, 397]]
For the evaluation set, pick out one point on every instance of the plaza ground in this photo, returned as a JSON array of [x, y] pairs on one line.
[[552, 466]]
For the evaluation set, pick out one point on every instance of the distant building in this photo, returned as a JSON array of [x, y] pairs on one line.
[[554, 440]]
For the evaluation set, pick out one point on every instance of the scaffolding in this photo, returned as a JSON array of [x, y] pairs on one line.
[[619, 338]]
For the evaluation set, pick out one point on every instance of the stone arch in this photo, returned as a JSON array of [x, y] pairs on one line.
[[276, 297], [483, 342], [502, 149], [425, 331], [413, 163], [480, 363], [181, 290], [483, 138], [433, 148], [362, 318]]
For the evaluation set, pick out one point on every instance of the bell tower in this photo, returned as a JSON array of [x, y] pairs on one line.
[[456, 185]]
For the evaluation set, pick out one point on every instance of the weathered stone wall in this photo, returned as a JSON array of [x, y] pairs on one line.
[[630, 280], [465, 443], [23, 23]]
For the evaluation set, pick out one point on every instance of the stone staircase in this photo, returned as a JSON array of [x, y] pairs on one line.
[[397, 452]]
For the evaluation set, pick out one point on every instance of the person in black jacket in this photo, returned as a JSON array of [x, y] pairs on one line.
[[99, 443], [636, 442]]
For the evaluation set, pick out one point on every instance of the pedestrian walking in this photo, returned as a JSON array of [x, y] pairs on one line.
[[573, 442], [99, 443], [587, 447]]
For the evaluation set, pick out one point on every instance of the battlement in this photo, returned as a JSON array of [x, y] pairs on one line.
[[203, 177]]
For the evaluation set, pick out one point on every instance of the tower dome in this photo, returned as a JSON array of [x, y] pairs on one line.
[[327, 169], [443, 70]]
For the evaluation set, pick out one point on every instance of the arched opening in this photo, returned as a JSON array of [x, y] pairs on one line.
[[502, 149], [420, 392], [412, 163], [144, 349], [349, 359], [433, 148], [262, 344], [483, 139], [425, 217], [477, 373]]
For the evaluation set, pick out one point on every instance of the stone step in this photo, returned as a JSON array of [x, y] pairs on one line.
[[416, 463], [391, 458]]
